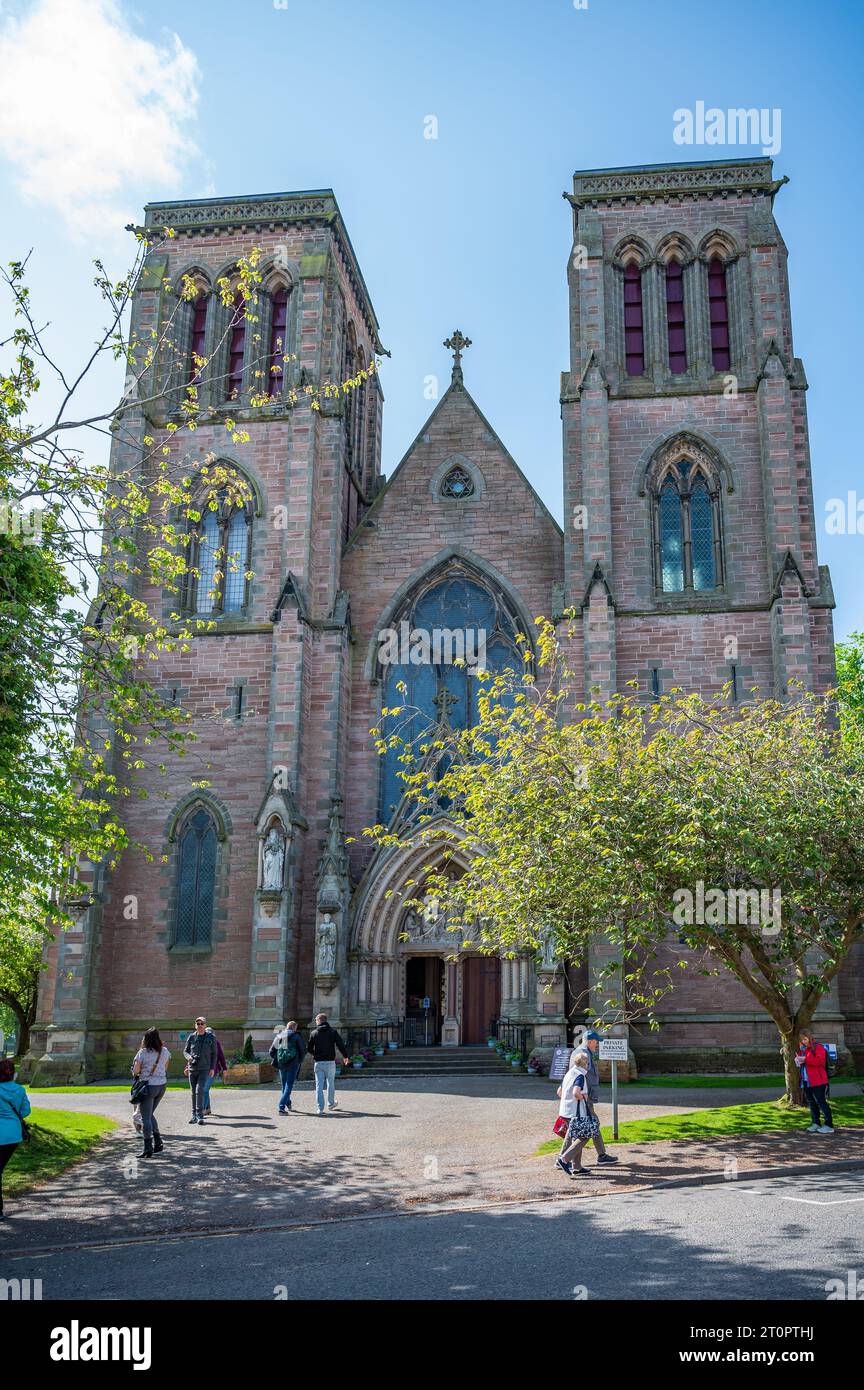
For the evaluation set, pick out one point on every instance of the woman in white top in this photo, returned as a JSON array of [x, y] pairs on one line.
[[151, 1062], [573, 1094]]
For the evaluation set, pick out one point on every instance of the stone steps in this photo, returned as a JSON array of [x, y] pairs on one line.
[[437, 1061]]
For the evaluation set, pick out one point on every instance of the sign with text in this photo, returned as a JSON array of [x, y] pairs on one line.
[[613, 1049], [560, 1063]]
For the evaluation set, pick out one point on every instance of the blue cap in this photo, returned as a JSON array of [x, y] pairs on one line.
[[591, 1036]]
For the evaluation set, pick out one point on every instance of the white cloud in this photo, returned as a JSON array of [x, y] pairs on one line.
[[93, 118]]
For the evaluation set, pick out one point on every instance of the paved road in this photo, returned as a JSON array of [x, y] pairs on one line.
[[762, 1241]]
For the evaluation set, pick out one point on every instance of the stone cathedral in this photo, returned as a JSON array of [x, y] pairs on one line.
[[688, 550]]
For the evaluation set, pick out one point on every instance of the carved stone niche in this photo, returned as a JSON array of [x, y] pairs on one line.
[[272, 857], [327, 948]]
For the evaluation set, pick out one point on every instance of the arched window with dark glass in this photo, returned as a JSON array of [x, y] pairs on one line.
[[718, 308], [702, 537], [634, 337], [221, 549], [278, 337], [236, 348], [675, 329], [455, 618], [687, 545], [671, 539], [196, 880]]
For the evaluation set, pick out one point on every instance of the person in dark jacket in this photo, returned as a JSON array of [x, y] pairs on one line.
[[14, 1107], [812, 1058], [286, 1053], [324, 1043], [200, 1054]]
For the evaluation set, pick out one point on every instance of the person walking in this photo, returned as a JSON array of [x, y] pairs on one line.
[[581, 1125], [286, 1053], [151, 1063], [324, 1043], [14, 1109], [200, 1054], [812, 1059], [221, 1066], [592, 1077]]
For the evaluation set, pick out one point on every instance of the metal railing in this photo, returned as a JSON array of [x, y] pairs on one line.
[[515, 1035]]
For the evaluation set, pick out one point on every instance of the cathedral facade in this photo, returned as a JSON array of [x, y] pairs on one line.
[[688, 552]]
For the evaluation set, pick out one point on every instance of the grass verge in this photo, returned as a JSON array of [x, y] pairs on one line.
[[729, 1082], [59, 1138], [756, 1118]]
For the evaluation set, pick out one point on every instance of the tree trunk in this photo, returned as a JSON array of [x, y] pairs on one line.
[[788, 1048]]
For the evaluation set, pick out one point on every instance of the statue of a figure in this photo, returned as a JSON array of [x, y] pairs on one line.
[[274, 860], [547, 946], [327, 946]]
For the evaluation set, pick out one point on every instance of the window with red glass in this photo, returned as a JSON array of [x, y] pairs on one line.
[[236, 349], [675, 317], [718, 305], [197, 338], [278, 329], [634, 340]]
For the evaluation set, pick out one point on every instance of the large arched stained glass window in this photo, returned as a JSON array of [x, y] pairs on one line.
[[671, 539], [702, 537], [688, 551], [454, 618], [221, 545], [196, 884]]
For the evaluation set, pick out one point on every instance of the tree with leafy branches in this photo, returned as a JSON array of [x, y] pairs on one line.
[[733, 832]]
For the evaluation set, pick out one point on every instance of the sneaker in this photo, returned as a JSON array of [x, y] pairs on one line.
[[333, 1104], [565, 1167], [580, 1173], [825, 1129], [607, 1158], [319, 1112], [200, 1119], [194, 1120], [280, 1112], [813, 1129], [208, 1111]]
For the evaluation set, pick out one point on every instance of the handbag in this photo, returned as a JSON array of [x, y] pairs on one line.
[[141, 1083], [587, 1127], [560, 1126]]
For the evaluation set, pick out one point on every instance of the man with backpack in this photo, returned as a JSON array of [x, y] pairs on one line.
[[324, 1043], [815, 1064], [286, 1053]]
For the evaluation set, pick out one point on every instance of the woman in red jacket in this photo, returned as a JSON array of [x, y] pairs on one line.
[[813, 1061]]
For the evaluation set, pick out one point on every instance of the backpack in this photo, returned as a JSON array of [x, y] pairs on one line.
[[830, 1059], [286, 1054]]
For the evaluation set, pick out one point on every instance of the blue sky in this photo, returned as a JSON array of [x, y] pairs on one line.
[[106, 105]]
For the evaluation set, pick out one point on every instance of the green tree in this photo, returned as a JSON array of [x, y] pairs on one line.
[[850, 679], [616, 820]]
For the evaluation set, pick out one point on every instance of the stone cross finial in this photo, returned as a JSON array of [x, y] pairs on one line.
[[443, 702], [457, 343]]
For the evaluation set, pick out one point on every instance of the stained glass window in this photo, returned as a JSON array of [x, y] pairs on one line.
[[197, 338], [278, 330], [671, 539], [702, 537], [675, 317], [208, 547], [455, 620], [458, 484], [222, 554], [719, 312], [236, 349], [634, 343], [196, 881], [236, 560]]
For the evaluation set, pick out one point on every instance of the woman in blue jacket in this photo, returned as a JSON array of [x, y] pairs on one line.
[[14, 1106]]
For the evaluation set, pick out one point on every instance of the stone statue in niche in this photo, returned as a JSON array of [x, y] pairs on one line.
[[327, 946], [547, 947], [274, 860]]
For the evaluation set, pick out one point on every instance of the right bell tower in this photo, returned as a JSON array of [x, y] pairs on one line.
[[690, 536]]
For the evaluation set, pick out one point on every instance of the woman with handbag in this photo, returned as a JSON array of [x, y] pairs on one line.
[[582, 1124], [14, 1106], [150, 1070]]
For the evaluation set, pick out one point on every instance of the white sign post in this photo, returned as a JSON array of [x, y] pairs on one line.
[[614, 1050]]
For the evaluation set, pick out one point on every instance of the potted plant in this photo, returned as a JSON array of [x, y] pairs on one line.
[[392, 1045], [367, 1054], [534, 1068], [379, 1049], [357, 1061], [515, 1059], [246, 1068], [490, 1042]]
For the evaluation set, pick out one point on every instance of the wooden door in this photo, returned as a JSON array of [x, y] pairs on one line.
[[481, 996]]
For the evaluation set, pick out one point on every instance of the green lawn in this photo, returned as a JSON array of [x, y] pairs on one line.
[[731, 1081], [720, 1122], [94, 1088], [59, 1138]]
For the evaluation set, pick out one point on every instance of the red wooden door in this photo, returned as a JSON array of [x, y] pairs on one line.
[[481, 996]]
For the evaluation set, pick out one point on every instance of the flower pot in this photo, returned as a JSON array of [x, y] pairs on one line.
[[379, 1052], [490, 1042], [515, 1063], [249, 1074], [392, 1046], [356, 1065]]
